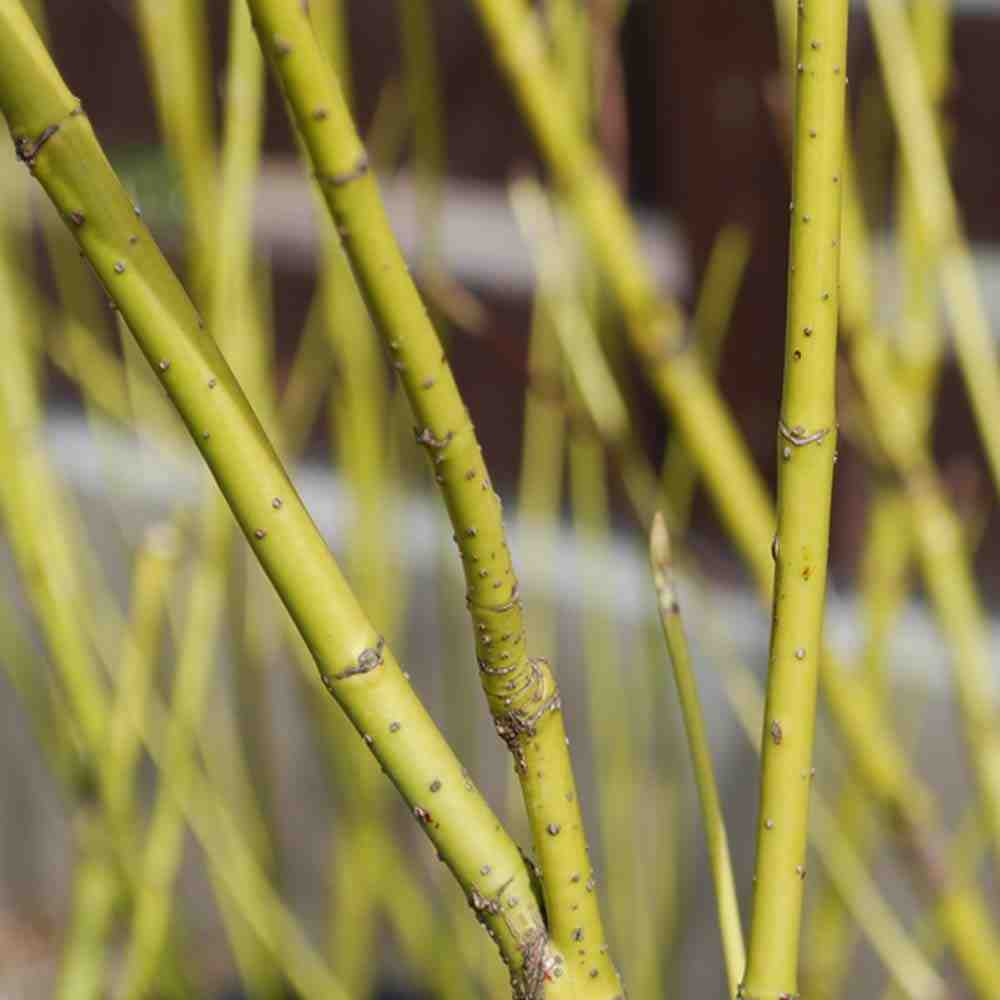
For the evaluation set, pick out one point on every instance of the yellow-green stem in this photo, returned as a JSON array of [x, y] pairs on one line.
[[521, 690], [975, 345], [717, 296], [95, 893], [54, 138], [806, 445], [884, 575], [423, 91], [732, 481], [727, 904], [595, 400], [615, 761], [859, 892], [175, 41], [153, 570], [655, 326], [543, 456]]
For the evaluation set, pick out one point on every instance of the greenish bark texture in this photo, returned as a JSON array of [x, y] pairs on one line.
[[521, 690], [53, 137], [807, 441]]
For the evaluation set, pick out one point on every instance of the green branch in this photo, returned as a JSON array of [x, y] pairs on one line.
[[656, 327], [923, 152], [701, 755], [806, 442], [716, 448], [55, 140], [521, 690]]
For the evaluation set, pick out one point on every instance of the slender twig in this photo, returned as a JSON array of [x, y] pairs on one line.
[[228, 286], [30, 501], [175, 41], [571, 314], [961, 911], [153, 569], [889, 546], [656, 327], [859, 892], [543, 454], [163, 849], [717, 296], [720, 862], [941, 549], [423, 92], [919, 138], [806, 445], [359, 415], [969, 846], [884, 576], [236, 870], [46, 557], [521, 690], [597, 406], [57, 142]]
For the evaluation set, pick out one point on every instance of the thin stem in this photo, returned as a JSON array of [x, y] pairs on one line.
[[656, 327], [57, 142], [597, 401], [968, 847], [877, 757], [919, 138], [859, 892], [713, 312], [229, 294], [95, 894], [235, 869], [521, 690], [164, 845], [543, 459], [423, 92], [32, 510], [720, 862], [806, 444], [890, 540], [884, 576], [175, 42], [359, 435], [716, 448], [308, 379], [940, 544], [153, 569]]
